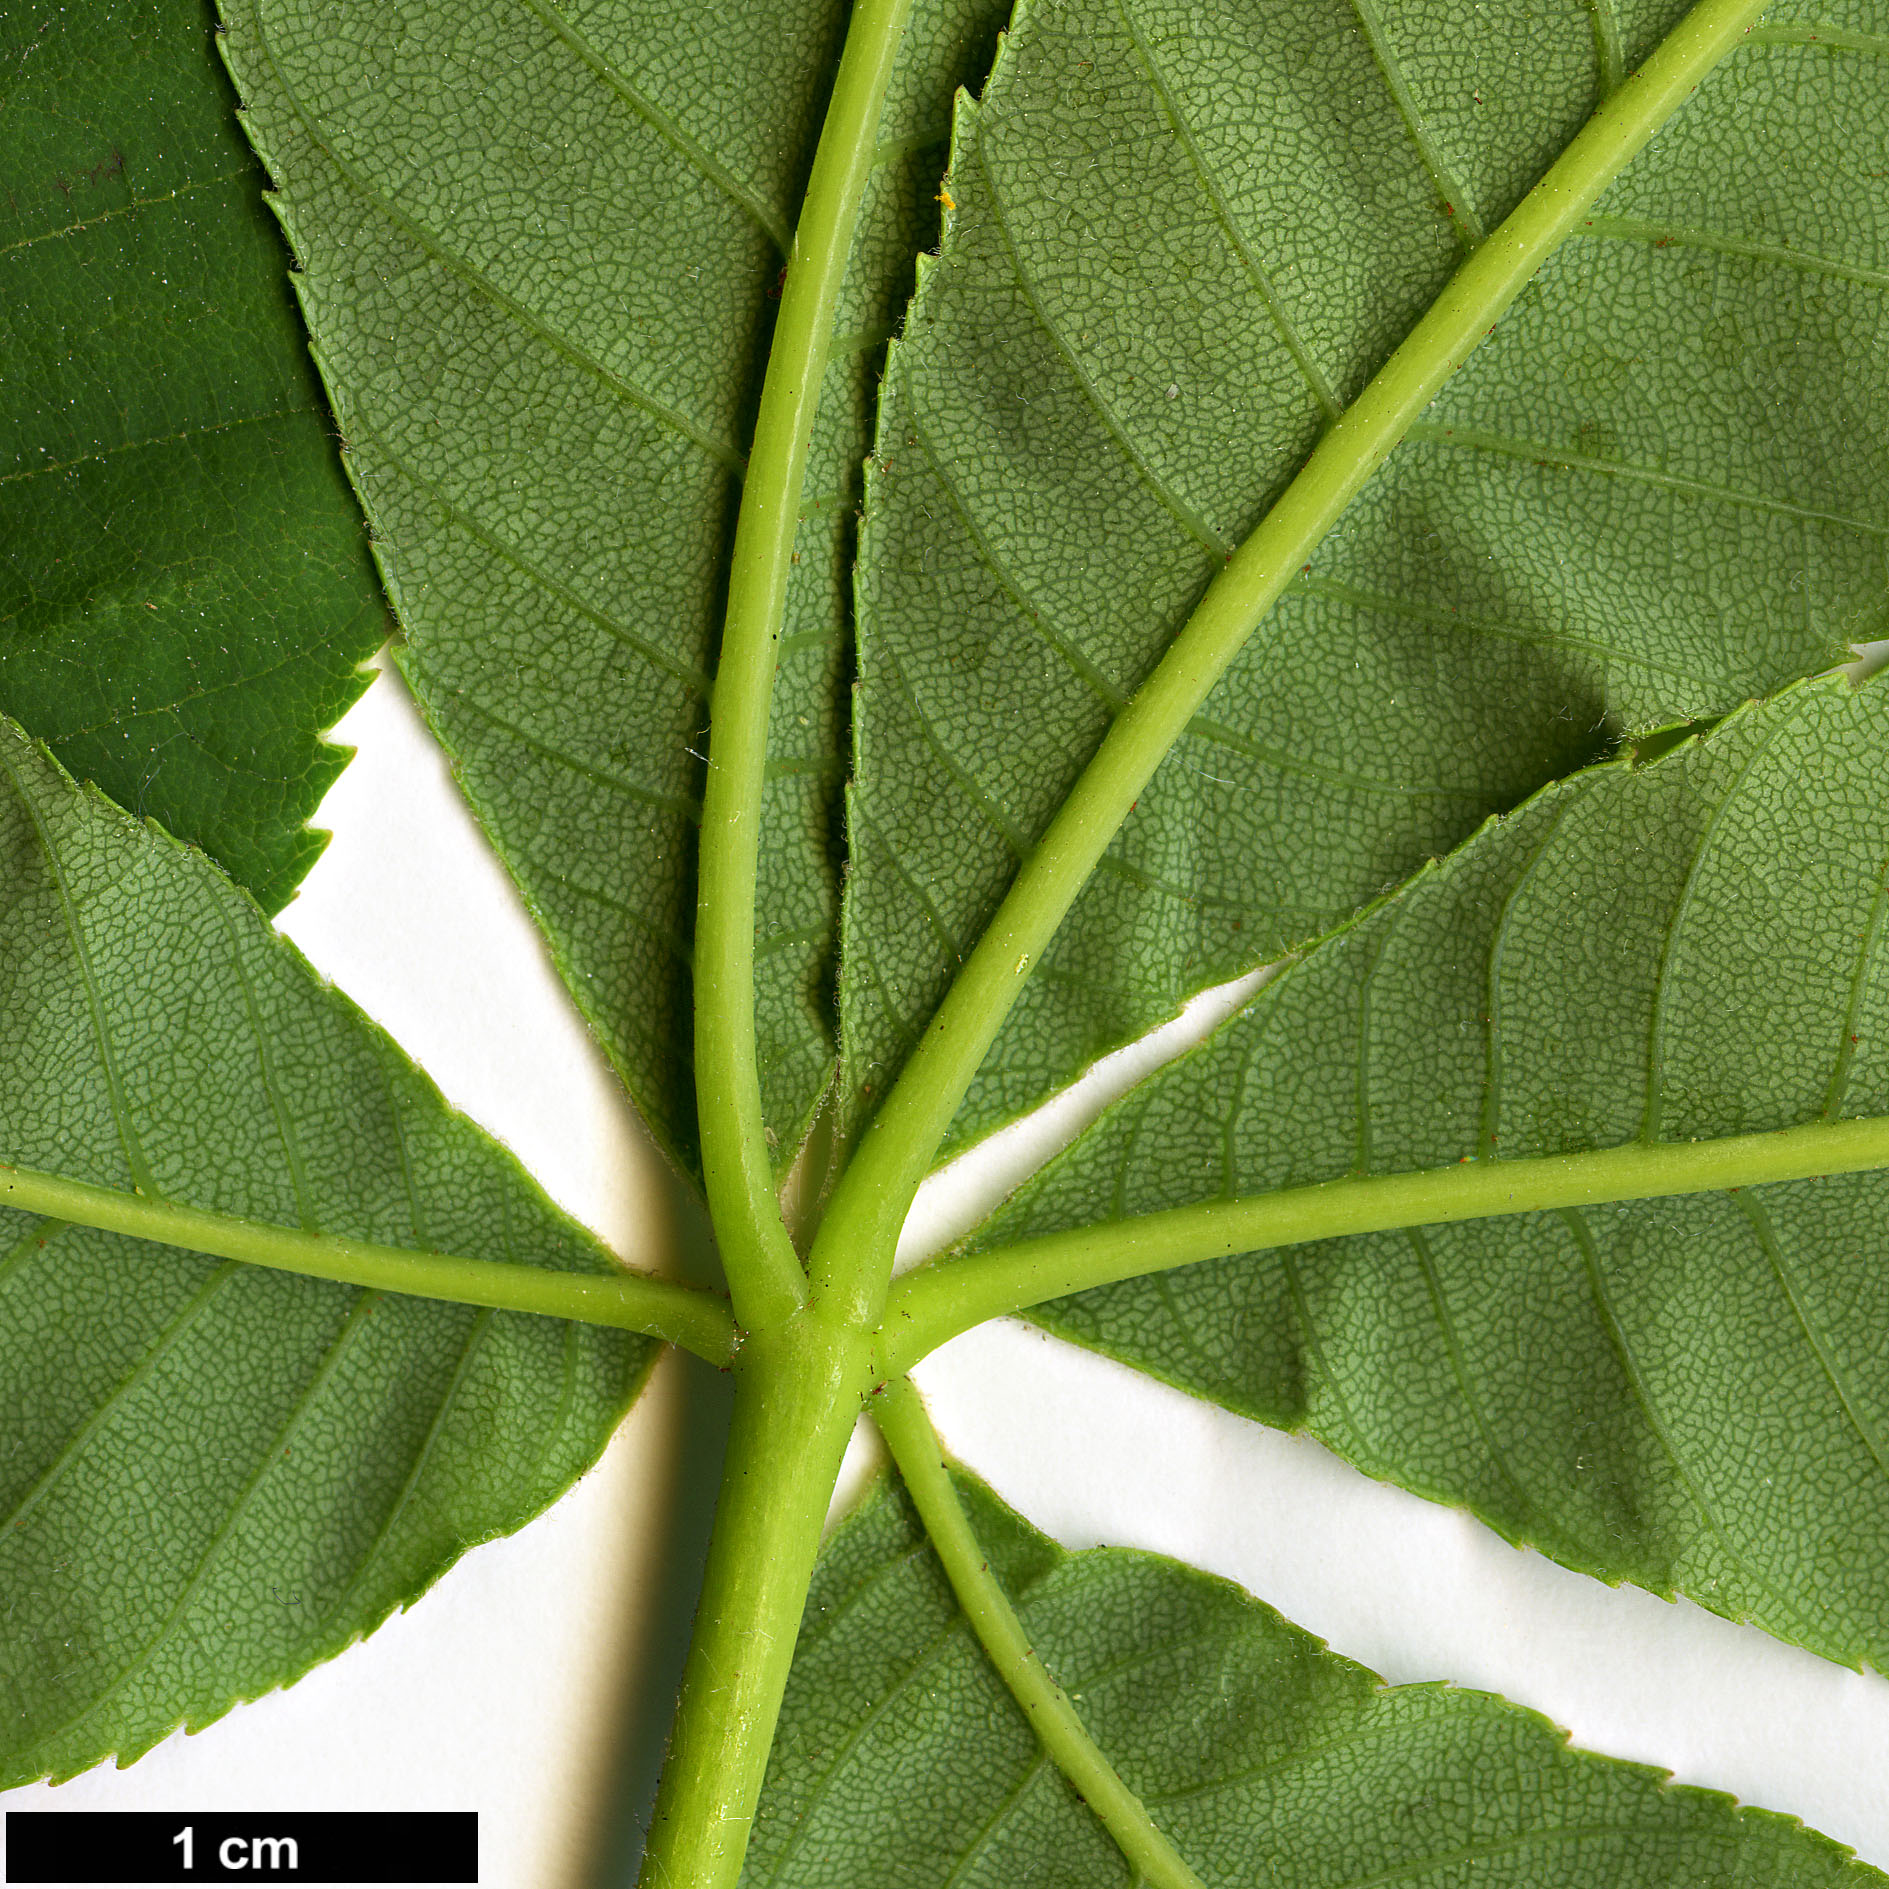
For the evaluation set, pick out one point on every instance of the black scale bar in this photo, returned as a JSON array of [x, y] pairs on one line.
[[101, 1846]]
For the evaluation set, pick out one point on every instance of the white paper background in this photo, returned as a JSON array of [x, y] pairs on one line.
[[514, 1688]]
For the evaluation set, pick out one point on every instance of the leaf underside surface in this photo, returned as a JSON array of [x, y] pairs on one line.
[[185, 591], [1692, 1394], [217, 1475], [1182, 240], [545, 351], [1264, 1758], [537, 249]]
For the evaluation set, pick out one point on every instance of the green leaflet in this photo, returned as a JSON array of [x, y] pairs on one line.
[[544, 351], [185, 593], [1687, 1393], [1180, 240], [538, 246], [1264, 1758], [214, 1475]]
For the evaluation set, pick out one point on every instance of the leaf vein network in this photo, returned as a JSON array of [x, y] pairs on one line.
[[1249, 1055], [1822, 33], [1034, 618], [1257, 273], [439, 251], [1465, 439], [1387, 1725], [695, 680], [1381, 603], [1183, 514], [160, 1345], [283, 1439], [1466, 1386], [1526, 1839], [1218, 735], [923, 1660], [749, 201], [996, 815], [1633, 229], [652, 929], [1867, 955], [598, 776], [153, 710], [1765, 1232], [126, 209], [814, 1631], [1674, 927], [1360, 1449], [891, 1004], [145, 445], [469, 1349], [993, 1824], [417, 1217], [210, 893], [948, 950], [567, 1390], [1491, 1125], [1576, 1223], [1193, 897], [135, 1161], [40, 1232], [1450, 189], [1609, 52]]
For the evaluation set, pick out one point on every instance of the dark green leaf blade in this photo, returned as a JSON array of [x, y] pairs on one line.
[[1179, 244], [186, 595], [1686, 1393], [216, 1475], [947, 45], [540, 295], [1264, 1758]]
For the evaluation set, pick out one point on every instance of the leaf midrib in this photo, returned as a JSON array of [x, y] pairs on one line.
[[870, 1202], [934, 1303], [620, 1297]]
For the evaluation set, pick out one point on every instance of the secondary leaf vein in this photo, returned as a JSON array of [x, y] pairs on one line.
[[1170, 501]]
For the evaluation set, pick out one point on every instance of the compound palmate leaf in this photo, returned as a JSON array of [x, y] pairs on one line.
[[537, 246], [216, 1475], [185, 589], [1267, 1760], [538, 284], [1183, 238], [1688, 1393]]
